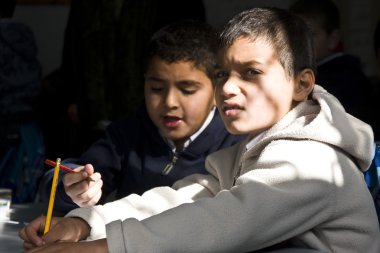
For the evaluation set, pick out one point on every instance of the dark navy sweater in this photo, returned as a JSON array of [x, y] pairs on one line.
[[132, 155]]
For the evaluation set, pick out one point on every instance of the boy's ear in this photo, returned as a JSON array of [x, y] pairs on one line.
[[304, 85]]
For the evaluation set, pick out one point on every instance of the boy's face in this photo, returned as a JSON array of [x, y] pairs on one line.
[[178, 97], [253, 91]]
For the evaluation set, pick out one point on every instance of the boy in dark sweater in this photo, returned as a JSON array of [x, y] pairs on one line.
[[167, 138]]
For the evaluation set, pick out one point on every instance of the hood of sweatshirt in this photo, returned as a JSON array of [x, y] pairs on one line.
[[324, 119]]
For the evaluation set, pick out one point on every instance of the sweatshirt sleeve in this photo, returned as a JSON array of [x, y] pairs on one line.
[[262, 209], [150, 203]]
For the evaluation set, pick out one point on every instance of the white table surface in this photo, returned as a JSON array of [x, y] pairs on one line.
[[9, 239], [19, 216]]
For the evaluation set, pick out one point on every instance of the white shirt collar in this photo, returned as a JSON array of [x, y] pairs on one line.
[[254, 141]]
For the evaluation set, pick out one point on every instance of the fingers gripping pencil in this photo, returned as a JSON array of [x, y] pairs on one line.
[[62, 167], [65, 168]]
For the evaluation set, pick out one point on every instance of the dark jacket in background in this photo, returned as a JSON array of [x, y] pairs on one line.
[[343, 77]]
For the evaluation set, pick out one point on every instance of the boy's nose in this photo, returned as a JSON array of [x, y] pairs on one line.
[[230, 87], [171, 99]]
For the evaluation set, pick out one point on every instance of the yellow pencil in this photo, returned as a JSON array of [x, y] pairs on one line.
[[52, 196]]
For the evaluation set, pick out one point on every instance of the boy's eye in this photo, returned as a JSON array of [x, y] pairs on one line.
[[249, 73], [220, 77], [220, 74], [156, 88], [187, 87], [188, 91], [153, 84]]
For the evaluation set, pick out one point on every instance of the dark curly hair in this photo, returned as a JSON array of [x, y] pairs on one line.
[[187, 40]]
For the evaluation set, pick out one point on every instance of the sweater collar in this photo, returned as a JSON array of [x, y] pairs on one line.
[[254, 141]]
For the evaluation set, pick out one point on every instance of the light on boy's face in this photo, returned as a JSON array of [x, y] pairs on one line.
[[253, 91]]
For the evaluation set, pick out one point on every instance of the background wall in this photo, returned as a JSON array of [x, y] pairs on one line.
[[48, 22]]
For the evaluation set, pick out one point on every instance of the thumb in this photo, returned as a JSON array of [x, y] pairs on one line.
[[89, 169]]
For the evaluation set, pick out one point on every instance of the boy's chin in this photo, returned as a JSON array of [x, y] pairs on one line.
[[234, 130]]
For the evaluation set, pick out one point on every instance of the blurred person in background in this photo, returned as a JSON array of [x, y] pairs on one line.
[[21, 140], [338, 72]]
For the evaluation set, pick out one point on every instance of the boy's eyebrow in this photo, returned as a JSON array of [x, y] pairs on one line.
[[250, 62], [188, 83], [242, 63], [153, 78], [184, 82]]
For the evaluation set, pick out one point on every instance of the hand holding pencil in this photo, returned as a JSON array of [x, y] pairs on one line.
[[45, 230], [83, 187], [67, 169], [62, 229], [81, 184]]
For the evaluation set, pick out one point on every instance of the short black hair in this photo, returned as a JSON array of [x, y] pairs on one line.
[[186, 40], [287, 33], [324, 10]]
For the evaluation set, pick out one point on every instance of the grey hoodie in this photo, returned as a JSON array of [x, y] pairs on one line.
[[301, 183]]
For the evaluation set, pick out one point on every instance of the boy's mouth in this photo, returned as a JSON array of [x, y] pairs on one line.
[[172, 121], [231, 109]]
